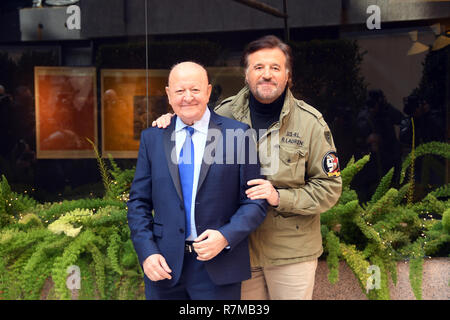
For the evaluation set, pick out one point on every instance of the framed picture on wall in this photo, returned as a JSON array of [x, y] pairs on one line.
[[126, 110], [66, 112]]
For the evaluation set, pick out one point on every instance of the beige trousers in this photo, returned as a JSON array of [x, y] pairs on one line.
[[293, 281]]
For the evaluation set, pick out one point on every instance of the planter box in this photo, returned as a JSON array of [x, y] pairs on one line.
[[435, 282]]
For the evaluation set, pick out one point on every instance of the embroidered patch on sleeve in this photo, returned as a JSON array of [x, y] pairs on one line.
[[330, 164]]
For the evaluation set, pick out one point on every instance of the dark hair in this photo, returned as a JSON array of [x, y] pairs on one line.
[[375, 97], [269, 42], [411, 103]]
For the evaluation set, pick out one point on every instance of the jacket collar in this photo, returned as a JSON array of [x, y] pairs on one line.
[[241, 110]]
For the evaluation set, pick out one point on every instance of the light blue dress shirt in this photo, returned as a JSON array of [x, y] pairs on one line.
[[199, 140]]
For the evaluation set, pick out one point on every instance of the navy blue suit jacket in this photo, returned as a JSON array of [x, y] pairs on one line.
[[221, 203]]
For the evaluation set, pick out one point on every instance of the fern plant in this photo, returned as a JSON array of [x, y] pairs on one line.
[[39, 241], [12, 203], [387, 229]]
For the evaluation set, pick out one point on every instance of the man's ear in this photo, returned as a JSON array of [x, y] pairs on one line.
[[289, 79], [209, 90], [168, 95]]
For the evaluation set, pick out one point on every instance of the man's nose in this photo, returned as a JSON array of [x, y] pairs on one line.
[[267, 74], [188, 95]]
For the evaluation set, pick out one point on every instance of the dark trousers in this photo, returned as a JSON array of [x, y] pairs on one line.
[[194, 284]]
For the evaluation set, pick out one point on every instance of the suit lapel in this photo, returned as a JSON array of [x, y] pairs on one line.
[[214, 125], [169, 148]]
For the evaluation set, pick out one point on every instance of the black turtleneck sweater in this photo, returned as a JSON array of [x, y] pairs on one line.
[[264, 115]]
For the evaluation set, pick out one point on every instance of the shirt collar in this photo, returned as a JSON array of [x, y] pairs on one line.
[[201, 125]]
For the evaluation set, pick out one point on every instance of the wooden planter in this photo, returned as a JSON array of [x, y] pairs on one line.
[[435, 282]]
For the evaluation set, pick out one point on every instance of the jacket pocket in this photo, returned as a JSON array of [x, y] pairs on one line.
[[292, 166], [292, 237]]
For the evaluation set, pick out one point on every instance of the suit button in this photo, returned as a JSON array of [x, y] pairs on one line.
[[181, 207], [181, 230]]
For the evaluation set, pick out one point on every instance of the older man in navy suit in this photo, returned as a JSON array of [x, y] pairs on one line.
[[193, 175]]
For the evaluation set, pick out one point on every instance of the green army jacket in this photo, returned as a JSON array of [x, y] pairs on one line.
[[299, 158]]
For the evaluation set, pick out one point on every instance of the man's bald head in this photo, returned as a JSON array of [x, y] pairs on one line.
[[188, 91], [188, 66]]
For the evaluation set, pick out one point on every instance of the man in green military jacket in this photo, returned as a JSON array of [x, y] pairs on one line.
[[299, 160]]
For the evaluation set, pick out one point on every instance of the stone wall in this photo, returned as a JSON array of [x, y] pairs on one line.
[[435, 283]]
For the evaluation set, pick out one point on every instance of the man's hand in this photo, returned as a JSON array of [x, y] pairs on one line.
[[156, 268], [209, 244], [163, 121], [263, 189]]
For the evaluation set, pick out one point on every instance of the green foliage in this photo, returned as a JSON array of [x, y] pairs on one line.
[[30, 220], [411, 159], [70, 257], [40, 241], [377, 210], [416, 253], [442, 192], [116, 182], [121, 184], [383, 187], [430, 205], [415, 276], [438, 237], [11, 203], [99, 264], [387, 229], [51, 212], [351, 170], [103, 170], [446, 220], [113, 252], [38, 266], [88, 290], [332, 243], [435, 148], [357, 262], [129, 257], [382, 291], [402, 194]]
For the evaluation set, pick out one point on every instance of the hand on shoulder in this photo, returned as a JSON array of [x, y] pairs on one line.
[[163, 121]]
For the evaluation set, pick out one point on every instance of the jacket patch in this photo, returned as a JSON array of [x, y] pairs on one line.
[[330, 164]]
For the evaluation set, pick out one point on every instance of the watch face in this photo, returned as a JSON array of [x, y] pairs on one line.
[[60, 2]]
